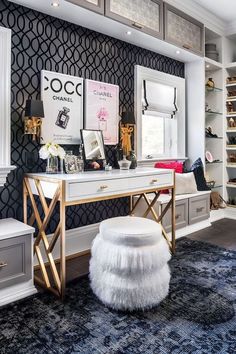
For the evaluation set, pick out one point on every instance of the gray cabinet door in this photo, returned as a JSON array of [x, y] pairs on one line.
[[199, 208], [145, 15], [183, 30], [94, 5], [15, 260], [181, 215]]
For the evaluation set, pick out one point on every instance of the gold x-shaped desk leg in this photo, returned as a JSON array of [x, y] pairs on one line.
[[52, 279], [158, 218]]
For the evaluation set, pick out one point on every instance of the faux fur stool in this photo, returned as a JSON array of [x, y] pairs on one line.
[[128, 267]]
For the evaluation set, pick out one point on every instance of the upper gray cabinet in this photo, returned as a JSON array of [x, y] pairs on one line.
[[145, 15], [183, 30], [94, 5]]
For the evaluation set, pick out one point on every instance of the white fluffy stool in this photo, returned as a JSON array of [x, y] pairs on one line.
[[128, 267]]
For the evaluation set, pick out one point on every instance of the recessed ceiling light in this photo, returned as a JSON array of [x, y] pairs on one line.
[[128, 33], [55, 3], [177, 52], [207, 66]]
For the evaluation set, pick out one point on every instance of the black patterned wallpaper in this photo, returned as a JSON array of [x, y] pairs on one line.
[[43, 42]]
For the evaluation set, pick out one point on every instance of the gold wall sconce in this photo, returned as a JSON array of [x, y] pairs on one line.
[[34, 113], [126, 129]]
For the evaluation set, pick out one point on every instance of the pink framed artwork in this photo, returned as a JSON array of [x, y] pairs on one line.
[[102, 109]]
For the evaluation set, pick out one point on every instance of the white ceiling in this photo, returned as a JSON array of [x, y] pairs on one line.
[[224, 9]]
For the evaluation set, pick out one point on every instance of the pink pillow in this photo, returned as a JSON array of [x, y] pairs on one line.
[[174, 165]]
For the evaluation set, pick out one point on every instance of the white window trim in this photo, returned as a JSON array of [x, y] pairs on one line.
[[5, 104], [142, 73]]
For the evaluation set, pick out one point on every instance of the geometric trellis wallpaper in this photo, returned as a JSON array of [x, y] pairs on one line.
[[43, 42]]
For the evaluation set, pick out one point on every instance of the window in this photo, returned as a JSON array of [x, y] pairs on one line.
[[153, 136], [160, 112]]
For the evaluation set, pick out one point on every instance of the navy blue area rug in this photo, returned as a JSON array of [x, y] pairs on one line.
[[197, 317]]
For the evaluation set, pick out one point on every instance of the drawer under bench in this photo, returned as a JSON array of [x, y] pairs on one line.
[[189, 209]]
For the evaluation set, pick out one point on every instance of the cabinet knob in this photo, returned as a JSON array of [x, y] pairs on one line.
[[154, 181], [177, 216], [103, 187], [3, 264], [137, 25]]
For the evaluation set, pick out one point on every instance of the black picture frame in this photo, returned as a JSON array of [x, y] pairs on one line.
[[94, 163]]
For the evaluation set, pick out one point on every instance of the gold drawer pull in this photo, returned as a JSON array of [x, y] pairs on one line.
[[187, 46], [177, 216], [103, 187], [154, 181], [137, 25], [3, 264], [198, 210]]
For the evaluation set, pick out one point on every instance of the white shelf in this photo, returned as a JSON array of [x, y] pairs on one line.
[[229, 100], [231, 65], [231, 131], [213, 65], [231, 166], [230, 148], [230, 85], [228, 185], [230, 115]]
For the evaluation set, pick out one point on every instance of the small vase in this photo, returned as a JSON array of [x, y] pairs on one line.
[[132, 157], [124, 164], [52, 165]]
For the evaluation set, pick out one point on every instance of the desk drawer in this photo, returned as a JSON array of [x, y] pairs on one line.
[[150, 182], [181, 215], [199, 208], [81, 190], [95, 189], [15, 261]]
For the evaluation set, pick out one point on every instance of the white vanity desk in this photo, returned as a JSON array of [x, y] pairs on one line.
[[86, 187]]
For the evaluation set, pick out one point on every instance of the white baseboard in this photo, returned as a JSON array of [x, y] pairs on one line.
[[80, 239], [230, 213], [217, 215], [16, 292], [185, 231]]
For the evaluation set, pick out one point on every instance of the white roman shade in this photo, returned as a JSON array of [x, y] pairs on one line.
[[159, 99]]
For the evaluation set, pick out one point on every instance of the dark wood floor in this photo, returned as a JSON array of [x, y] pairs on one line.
[[222, 233]]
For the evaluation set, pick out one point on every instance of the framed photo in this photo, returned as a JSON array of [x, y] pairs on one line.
[[102, 109], [71, 164], [62, 96]]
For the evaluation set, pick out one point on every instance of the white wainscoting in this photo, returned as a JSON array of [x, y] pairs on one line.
[[77, 240], [5, 104]]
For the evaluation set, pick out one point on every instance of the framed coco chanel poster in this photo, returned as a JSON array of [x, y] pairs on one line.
[[102, 109], [62, 97]]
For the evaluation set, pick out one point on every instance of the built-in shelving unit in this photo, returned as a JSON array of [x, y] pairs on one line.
[[230, 120], [214, 116]]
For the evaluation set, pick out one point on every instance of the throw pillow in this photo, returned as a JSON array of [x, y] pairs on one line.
[[174, 165], [185, 183], [198, 170]]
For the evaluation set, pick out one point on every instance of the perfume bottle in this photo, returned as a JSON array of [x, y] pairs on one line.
[[80, 159], [63, 118], [102, 125]]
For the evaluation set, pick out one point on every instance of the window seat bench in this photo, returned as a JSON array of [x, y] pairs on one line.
[[192, 211]]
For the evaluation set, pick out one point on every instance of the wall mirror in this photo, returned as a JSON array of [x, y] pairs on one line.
[[94, 150]]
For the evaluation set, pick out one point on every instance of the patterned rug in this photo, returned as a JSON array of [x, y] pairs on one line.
[[198, 317]]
